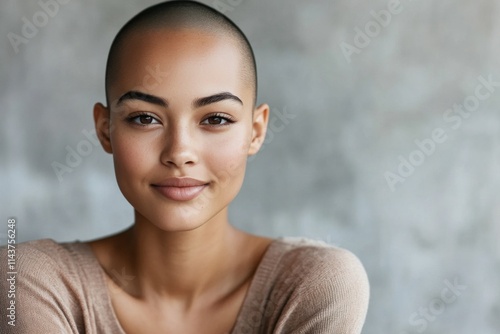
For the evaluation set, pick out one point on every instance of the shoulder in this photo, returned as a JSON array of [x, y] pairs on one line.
[[44, 249], [45, 258], [49, 283], [317, 261], [44, 266], [321, 288]]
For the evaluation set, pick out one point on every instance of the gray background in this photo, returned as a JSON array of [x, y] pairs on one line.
[[321, 174]]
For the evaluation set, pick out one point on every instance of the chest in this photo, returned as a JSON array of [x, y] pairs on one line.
[[136, 316]]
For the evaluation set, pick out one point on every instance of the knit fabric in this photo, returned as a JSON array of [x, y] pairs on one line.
[[300, 286]]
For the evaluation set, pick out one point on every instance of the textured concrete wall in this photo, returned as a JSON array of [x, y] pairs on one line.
[[393, 150]]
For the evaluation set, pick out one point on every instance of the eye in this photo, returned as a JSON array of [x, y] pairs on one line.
[[218, 119], [142, 119]]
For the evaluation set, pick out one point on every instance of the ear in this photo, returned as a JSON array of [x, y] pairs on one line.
[[259, 128], [102, 126]]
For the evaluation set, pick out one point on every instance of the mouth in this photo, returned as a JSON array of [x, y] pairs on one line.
[[180, 189]]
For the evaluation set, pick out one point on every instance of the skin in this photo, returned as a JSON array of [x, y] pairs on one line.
[[191, 268]]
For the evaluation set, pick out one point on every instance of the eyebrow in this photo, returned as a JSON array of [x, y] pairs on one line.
[[136, 95], [198, 103], [203, 101]]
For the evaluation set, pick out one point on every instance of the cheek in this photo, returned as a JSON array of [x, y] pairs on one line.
[[131, 157], [227, 159]]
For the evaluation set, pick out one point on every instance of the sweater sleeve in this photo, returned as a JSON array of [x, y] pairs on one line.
[[327, 293], [44, 294]]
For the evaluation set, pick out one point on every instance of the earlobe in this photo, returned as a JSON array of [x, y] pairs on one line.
[[102, 126], [259, 128]]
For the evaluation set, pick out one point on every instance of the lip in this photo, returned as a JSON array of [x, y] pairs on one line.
[[180, 188]]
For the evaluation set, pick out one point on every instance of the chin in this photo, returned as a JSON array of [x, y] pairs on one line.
[[171, 227], [180, 219]]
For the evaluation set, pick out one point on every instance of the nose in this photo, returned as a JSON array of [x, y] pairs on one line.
[[180, 147]]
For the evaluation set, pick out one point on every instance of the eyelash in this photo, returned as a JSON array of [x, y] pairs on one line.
[[227, 118], [133, 119]]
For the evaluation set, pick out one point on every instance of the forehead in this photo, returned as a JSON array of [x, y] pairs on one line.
[[183, 62]]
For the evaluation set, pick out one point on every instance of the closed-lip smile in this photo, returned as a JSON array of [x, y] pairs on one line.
[[180, 188]]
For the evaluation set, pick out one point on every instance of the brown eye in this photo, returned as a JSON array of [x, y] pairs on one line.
[[145, 119], [215, 120]]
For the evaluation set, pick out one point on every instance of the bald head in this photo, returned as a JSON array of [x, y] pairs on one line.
[[178, 15]]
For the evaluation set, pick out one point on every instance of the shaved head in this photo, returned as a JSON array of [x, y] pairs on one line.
[[179, 15]]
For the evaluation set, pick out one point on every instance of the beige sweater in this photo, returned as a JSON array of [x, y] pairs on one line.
[[300, 286]]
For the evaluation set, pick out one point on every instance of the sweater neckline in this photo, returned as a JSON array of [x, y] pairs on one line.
[[264, 271]]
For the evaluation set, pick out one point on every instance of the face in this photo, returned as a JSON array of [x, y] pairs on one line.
[[180, 126]]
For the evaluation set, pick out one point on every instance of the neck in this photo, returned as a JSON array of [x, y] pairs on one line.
[[182, 265]]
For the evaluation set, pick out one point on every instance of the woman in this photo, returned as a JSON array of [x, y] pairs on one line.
[[180, 122]]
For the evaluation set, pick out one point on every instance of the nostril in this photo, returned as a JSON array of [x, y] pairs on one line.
[[178, 153], [179, 163]]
